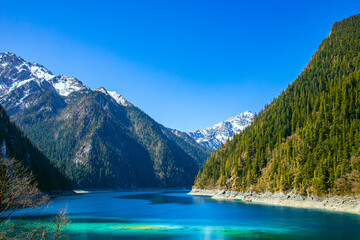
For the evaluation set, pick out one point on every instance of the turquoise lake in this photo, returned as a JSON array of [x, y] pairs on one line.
[[176, 215]]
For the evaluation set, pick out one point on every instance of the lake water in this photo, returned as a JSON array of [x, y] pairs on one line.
[[176, 215]]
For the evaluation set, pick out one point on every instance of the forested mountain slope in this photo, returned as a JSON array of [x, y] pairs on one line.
[[308, 139], [14, 144]]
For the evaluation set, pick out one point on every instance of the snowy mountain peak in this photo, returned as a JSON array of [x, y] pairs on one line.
[[117, 97], [40, 71], [65, 85], [8, 58], [21, 79], [7, 55], [212, 137], [28, 77], [246, 113]]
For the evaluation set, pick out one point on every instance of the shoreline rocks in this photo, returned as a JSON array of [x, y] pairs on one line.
[[340, 204]]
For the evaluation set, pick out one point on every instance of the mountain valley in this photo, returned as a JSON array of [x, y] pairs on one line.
[[96, 137]]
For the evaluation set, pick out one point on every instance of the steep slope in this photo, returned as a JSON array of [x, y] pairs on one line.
[[213, 137], [96, 136], [189, 145], [14, 144], [308, 139]]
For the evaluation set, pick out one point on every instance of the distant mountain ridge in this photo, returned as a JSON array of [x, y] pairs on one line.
[[212, 137], [96, 137]]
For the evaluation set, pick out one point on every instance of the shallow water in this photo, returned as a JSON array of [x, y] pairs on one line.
[[176, 215]]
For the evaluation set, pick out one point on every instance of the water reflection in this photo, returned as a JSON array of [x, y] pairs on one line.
[[167, 197]]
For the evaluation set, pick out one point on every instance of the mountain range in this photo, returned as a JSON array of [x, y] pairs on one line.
[[213, 137], [96, 137]]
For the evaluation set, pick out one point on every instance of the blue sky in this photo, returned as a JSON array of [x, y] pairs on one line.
[[188, 64]]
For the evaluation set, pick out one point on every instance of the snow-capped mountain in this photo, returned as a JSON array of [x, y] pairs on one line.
[[212, 137], [19, 80], [17, 73], [97, 137]]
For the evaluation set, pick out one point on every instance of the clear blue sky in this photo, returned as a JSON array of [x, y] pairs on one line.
[[188, 64]]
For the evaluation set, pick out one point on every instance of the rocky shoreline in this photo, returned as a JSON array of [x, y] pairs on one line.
[[341, 204]]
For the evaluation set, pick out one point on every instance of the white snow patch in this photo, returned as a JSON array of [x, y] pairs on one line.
[[41, 72], [66, 85], [118, 98]]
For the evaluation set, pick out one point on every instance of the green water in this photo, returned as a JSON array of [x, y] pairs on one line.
[[176, 215]]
